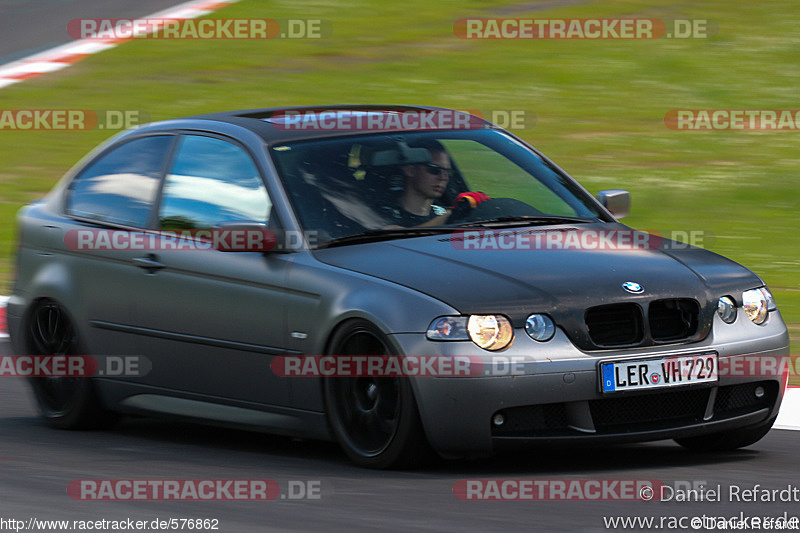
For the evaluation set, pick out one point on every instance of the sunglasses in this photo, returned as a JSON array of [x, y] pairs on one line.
[[433, 168]]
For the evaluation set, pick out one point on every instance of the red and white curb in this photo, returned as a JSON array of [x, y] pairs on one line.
[[3, 323], [788, 418], [67, 54]]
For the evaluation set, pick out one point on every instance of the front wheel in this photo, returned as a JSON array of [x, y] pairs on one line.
[[374, 419], [64, 402], [727, 440]]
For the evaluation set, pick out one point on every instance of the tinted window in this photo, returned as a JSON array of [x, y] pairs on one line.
[[121, 185], [345, 186], [211, 182], [487, 170]]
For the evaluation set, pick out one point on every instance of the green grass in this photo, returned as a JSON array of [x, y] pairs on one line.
[[600, 105]]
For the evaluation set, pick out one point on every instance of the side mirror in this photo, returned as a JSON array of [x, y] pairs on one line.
[[617, 201], [256, 237], [245, 237]]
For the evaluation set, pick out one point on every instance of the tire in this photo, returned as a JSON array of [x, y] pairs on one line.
[[375, 420], [727, 440], [64, 402]]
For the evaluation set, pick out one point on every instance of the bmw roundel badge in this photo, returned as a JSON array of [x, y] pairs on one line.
[[633, 287]]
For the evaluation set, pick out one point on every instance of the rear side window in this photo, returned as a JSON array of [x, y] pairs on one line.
[[212, 182], [120, 186]]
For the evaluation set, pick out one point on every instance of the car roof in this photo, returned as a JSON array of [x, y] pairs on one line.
[[266, 122]]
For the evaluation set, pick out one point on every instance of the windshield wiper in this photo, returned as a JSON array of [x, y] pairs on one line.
[[526, 220], [385, 235], [404, 233]]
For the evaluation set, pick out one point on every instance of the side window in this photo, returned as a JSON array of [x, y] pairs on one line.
[[121, 185], [212, 181]]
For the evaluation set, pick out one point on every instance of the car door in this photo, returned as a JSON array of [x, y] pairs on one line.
[[105, 203], [211, 321]]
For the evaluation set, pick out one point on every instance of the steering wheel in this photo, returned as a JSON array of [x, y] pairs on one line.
[[493, 208]]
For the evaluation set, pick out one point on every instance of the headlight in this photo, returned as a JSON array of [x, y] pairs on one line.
[[755, 305], [490, 332], [726, 309], [540, 327], [770, 300], [448, 328]]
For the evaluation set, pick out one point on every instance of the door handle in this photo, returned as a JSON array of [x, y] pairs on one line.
[[149, 262]]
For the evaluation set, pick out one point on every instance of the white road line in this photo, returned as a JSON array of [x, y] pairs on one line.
[[789, 415]]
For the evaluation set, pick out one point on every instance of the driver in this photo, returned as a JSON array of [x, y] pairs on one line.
[[424, 184]]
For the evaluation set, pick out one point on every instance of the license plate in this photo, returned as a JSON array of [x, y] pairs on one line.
[[658, 373]]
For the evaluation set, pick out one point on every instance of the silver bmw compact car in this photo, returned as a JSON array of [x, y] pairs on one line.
[[402, 280]]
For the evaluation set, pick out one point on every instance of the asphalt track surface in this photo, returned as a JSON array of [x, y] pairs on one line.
[[31, 26], [37, 464]]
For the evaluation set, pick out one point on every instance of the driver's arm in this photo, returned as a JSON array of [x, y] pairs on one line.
[[464, 203]]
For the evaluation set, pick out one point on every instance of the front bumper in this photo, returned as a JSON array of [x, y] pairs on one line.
[[557, 398]]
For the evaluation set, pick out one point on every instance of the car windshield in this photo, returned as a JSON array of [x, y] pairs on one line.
[[415, 183]]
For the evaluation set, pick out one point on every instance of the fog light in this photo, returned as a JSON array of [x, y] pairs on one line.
[[759, 392], [498, 419]]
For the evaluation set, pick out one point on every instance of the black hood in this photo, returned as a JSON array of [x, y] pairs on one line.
[[562, 283]]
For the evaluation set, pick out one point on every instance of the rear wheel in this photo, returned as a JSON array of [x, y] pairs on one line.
[[727, 440], [64, 402], [375, 420]]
